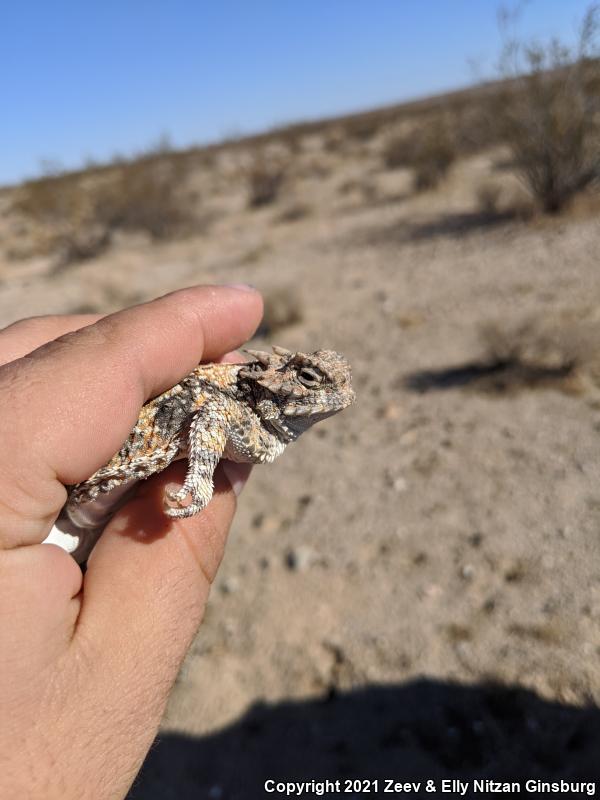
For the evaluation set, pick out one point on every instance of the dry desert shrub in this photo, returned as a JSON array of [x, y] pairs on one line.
[[429, 150], [359, 191], [533, 342], [488, 198], [283, 308], [62, 209], [80, 212], [547, 112], [540, 351], [334, 140], [399, 151], [499, 202], [294, 212], [362, 127], [147, 195], [265, 180], [473, 127], [435, 153]]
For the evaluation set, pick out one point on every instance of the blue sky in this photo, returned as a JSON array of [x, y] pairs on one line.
[[90, 79]]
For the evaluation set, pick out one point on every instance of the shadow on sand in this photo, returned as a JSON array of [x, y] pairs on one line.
[[424, 729], [451, 225], [461, 224], [495, 377]]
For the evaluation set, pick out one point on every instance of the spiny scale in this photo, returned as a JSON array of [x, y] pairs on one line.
[[242, 412]]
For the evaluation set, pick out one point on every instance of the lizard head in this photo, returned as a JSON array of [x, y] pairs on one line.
[[305, 387]]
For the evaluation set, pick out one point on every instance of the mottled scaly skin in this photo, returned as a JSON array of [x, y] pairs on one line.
[[242, 412]]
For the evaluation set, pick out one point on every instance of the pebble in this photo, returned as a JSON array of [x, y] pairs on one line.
[[264, 562], [229, 585], [390, 411], [400, 485], [475, 539], [299, 559]]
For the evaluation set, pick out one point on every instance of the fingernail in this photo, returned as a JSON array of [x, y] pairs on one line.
[[236, 474], [244, 287]]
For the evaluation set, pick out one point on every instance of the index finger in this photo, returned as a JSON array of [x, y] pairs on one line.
[[25, 335], [69, 406]]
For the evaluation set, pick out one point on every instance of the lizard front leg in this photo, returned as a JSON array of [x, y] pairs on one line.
[[222, 427], [248, 440], [207, 438]]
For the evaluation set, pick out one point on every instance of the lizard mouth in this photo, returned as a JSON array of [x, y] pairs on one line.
[[298, 421], [321, 410]]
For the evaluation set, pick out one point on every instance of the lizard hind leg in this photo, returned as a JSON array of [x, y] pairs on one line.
[[197, 488], [206, 446]]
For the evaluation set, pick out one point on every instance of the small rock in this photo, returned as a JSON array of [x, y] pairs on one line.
[[257, 520], [467, 572], [229, 585], [395, 482], [264, 562], [489, 605], [463, 649], [408, 438], [400, 485], [300, 558], [271, 523], [304, 501], [390, 411]]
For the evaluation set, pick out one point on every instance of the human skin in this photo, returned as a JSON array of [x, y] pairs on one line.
[[87, 661]]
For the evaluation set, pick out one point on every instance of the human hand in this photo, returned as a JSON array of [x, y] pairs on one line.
[[87, 662]]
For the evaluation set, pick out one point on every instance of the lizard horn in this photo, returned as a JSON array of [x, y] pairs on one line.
[[260, 355], [281, 351]]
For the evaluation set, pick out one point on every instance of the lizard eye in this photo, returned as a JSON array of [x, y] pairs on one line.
[[309, 377]]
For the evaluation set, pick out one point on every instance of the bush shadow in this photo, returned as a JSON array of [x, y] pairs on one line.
[[450, 225], [495, 377], [424, 729], [460, 224]]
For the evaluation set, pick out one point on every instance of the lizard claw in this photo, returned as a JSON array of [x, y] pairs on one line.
[[176, 498]]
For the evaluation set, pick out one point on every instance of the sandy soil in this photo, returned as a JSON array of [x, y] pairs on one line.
[[413, 589]]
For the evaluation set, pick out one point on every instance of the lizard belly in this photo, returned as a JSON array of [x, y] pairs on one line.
[[243, 451]]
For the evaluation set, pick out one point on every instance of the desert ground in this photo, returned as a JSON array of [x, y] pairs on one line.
[[413, 589]]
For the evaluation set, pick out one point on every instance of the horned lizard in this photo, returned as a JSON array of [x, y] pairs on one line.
[[245, 412]]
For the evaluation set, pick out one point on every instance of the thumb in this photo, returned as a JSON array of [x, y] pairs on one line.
[[144, 595]]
